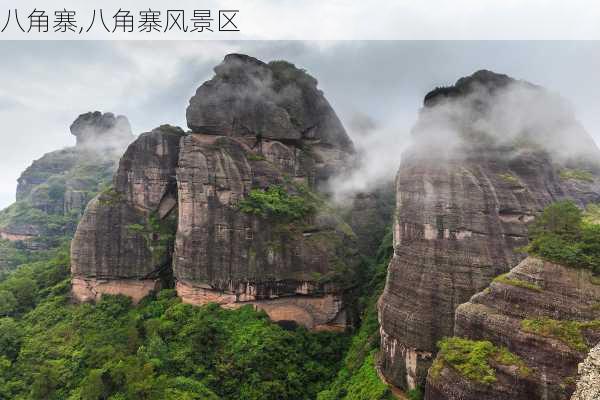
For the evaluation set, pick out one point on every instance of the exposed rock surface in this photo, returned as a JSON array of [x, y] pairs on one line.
[[254, 126], [107, 245], [55, 189], [277, 101], [102, 131], [534, 290], [588, 385], [465, 191]]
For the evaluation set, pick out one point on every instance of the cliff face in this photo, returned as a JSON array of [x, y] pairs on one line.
[[589, 376], [120, 235], [544, 313], [231, 210], [465, 192], [52, 193]]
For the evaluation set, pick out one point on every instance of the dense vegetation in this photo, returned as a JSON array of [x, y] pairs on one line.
[[565, 234], [569, 332], [475, 359], [51, 227], [562, 233], [52, 349], [276, 203], [53, 192], [11, 256], [358, 379]]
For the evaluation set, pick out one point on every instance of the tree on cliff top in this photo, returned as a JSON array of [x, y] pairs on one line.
[[565, 234]]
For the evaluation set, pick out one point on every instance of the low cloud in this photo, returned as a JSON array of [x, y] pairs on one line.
[[151, 84], [379, 147], [517, 115]]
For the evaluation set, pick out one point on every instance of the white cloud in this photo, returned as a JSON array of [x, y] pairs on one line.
[[45, 85]]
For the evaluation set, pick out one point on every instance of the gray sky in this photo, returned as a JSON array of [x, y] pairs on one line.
[[45, 85]]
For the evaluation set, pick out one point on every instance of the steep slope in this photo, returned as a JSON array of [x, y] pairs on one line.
[[52, 193], [125, 236], [488, 154], [231, 211], [545, 314], [358, 377]]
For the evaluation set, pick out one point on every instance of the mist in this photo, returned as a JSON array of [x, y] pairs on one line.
[[102, 133], [379, 146], [473, 115], [151, 83], [513, 114]]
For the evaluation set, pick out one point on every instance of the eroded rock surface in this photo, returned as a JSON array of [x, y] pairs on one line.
[[465, 191], [119, 236], [535, 290], [53, 192], [370, 216], [588, 385], [254, 126], [247, 97]]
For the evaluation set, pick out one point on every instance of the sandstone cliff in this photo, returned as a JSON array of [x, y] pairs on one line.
[[52, 193], [545, 314], [488, 154], [588, 387], [231, 210]]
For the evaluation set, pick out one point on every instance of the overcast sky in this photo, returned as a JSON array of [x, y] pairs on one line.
[[45, 85]]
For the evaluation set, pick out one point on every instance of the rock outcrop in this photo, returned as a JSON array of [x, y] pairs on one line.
[[179, 207], [102, 131], [544, 313], [588, 387], [124, 238], [53, 192], [488, 154], [275, 101]]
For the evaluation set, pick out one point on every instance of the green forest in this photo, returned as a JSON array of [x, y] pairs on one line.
[[51, 348]]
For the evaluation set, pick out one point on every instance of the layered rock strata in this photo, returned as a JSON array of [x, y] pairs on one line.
[[465, 192], [544, 313], [255, 127], [124, 237]]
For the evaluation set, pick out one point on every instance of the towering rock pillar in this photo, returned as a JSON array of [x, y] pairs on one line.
[[125, 238], [488, 154], [244, 189]]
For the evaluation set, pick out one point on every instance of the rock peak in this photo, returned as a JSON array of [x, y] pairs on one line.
[[465, 85], [489, 111], [242, 59], [102, 130]]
